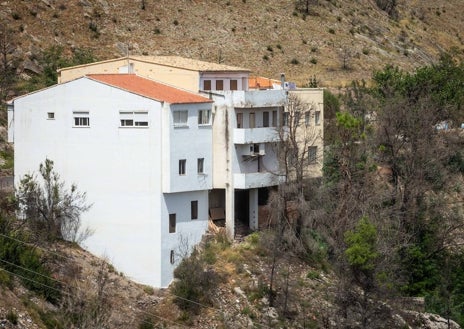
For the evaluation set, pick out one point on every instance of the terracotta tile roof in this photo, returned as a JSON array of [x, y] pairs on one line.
[[149, 88], [262, 83]]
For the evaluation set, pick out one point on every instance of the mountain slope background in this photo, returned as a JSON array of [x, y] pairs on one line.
[[335, 41]]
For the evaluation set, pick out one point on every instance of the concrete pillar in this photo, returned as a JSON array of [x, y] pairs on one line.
[[253, 208], [230, 211]]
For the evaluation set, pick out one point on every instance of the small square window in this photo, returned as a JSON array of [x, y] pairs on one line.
[[51, 115], [180, 118], [204, 117], [194, 209], [219, 85], [207, 85], [182, 165], [172, 223], [201, 165]]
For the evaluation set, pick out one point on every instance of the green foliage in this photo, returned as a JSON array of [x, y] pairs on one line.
[[54, 58], [52, 211], [27, 264], [8, 156], [361, 249], [147, 323], [195, 283], [12, 317]]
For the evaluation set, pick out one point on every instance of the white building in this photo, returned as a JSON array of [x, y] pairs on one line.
[[146, 159], [142, 152]]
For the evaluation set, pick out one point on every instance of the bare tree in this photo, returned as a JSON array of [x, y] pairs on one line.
[[52, 211], [7, 69]]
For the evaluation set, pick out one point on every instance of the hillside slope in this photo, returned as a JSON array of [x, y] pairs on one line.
[[268, 37]]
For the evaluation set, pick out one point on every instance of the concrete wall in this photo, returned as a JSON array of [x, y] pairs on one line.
[[120, 168], [188, 142]]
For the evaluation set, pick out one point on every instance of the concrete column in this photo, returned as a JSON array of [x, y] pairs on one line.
[[230, 190], [253, 208]]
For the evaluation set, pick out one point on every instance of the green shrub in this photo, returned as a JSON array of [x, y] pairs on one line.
[[146, 323], [294, 61], [313, 60], [331, 31], [12, 317], [195, 283]]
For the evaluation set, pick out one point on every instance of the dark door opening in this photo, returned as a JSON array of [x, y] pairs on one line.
[[242, 207]]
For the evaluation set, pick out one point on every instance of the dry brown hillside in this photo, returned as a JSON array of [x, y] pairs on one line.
[[268, 37]]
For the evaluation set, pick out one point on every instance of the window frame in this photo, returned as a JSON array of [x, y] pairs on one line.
[[207, 84], [317, 118], [312, 154], [172, 223], [172, 258], [219, 84], [233, 84], [201, 166], [182, 167], [133, 119], [201, 117], [194, 209], [81, 119], [307, 118], [266, 122], [180, 124], [50, 115]]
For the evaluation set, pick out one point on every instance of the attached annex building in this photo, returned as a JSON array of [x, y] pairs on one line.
[[157, 159]]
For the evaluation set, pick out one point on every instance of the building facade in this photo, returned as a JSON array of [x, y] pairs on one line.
[[158, 159], [146, 172]]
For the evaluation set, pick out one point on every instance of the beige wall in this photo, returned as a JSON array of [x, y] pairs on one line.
[[178, 77], [312, 99]]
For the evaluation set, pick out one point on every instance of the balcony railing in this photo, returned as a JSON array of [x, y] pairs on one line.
[[256, 180], [256, 135]]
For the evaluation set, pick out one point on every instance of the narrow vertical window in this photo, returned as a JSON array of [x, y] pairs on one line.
[[200, 165], [194, 209], [239, 120], [172, 223], [285, 121], [252, 120], [219, 84], [207, 85], [307, 118], [317, 118], [233, 85], [182, 165], [172, 258], [274, 118], [312, 154], [265, 119]]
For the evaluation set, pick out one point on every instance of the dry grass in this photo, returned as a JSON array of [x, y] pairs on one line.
[[241, 32]]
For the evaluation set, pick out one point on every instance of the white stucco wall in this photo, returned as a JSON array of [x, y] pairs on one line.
[[120, 168], [189, 142], [188, 231]]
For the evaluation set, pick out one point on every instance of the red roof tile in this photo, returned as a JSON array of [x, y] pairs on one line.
[[149, 88], [262, 83]]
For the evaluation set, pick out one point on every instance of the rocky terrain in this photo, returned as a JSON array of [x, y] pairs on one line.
[[335, 40]]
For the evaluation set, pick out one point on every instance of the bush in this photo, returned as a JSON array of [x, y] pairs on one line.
[[12, 317], [194, 284]]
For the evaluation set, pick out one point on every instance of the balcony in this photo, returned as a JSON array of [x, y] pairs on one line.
[[256, 180], [256, 135]]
